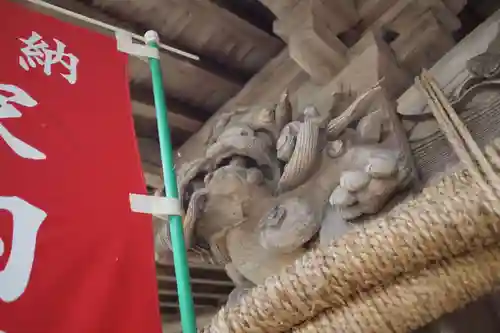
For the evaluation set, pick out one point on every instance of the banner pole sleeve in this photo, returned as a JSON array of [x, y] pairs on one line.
[[188, 318]]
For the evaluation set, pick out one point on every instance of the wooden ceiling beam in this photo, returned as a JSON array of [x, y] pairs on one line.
[[152, 175], [202, 26], [200, 295], [205, 62], [176, 305], [252, 11], [143, 93], [210, 272], [202, 301], [197, 287], [86, 8], [199, 281], [190, 80], [150, 153], [175, 116]]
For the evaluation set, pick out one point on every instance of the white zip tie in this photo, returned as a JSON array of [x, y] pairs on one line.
[[148, 204], [109, 27], [125, 44]]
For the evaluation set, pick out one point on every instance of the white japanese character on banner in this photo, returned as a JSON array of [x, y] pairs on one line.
[[38, 52], [16, 95], [27, 220]]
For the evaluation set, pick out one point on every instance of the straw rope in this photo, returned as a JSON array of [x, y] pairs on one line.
[[414, 300], [450, 220], [456, 216]]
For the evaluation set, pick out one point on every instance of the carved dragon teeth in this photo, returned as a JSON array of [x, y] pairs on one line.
[[303, 158]]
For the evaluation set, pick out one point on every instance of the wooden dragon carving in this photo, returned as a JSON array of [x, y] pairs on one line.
[[270, 187]]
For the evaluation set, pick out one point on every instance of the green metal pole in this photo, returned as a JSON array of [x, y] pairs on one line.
[[188, 318]]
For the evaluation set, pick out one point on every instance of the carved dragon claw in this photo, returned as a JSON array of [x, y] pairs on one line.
[[366, 191]]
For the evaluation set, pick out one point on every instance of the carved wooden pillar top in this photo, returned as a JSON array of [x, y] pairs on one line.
[[311, 29]]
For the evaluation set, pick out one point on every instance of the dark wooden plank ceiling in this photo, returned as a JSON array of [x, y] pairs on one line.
[[234, 40], [210, 286]]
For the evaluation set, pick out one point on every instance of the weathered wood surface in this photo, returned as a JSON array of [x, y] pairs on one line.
[[369, 61], [366, 57], [280, 8], [450, 71], [283, 72], [203, 26], [175, 116], [312, 30], [188, 82], [481, 113], [253, 199], [264, 88], [336, 16], [424, 43], [191, 81]]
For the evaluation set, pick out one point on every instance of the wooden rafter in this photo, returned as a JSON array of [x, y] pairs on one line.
[[175, 116], [182, 77], [225, 37], [143, 94], [210, 285]]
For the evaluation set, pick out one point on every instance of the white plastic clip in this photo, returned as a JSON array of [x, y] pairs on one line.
[[153, 205], [125, 44]]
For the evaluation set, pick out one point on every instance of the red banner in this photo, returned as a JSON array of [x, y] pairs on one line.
[[73, 257]]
